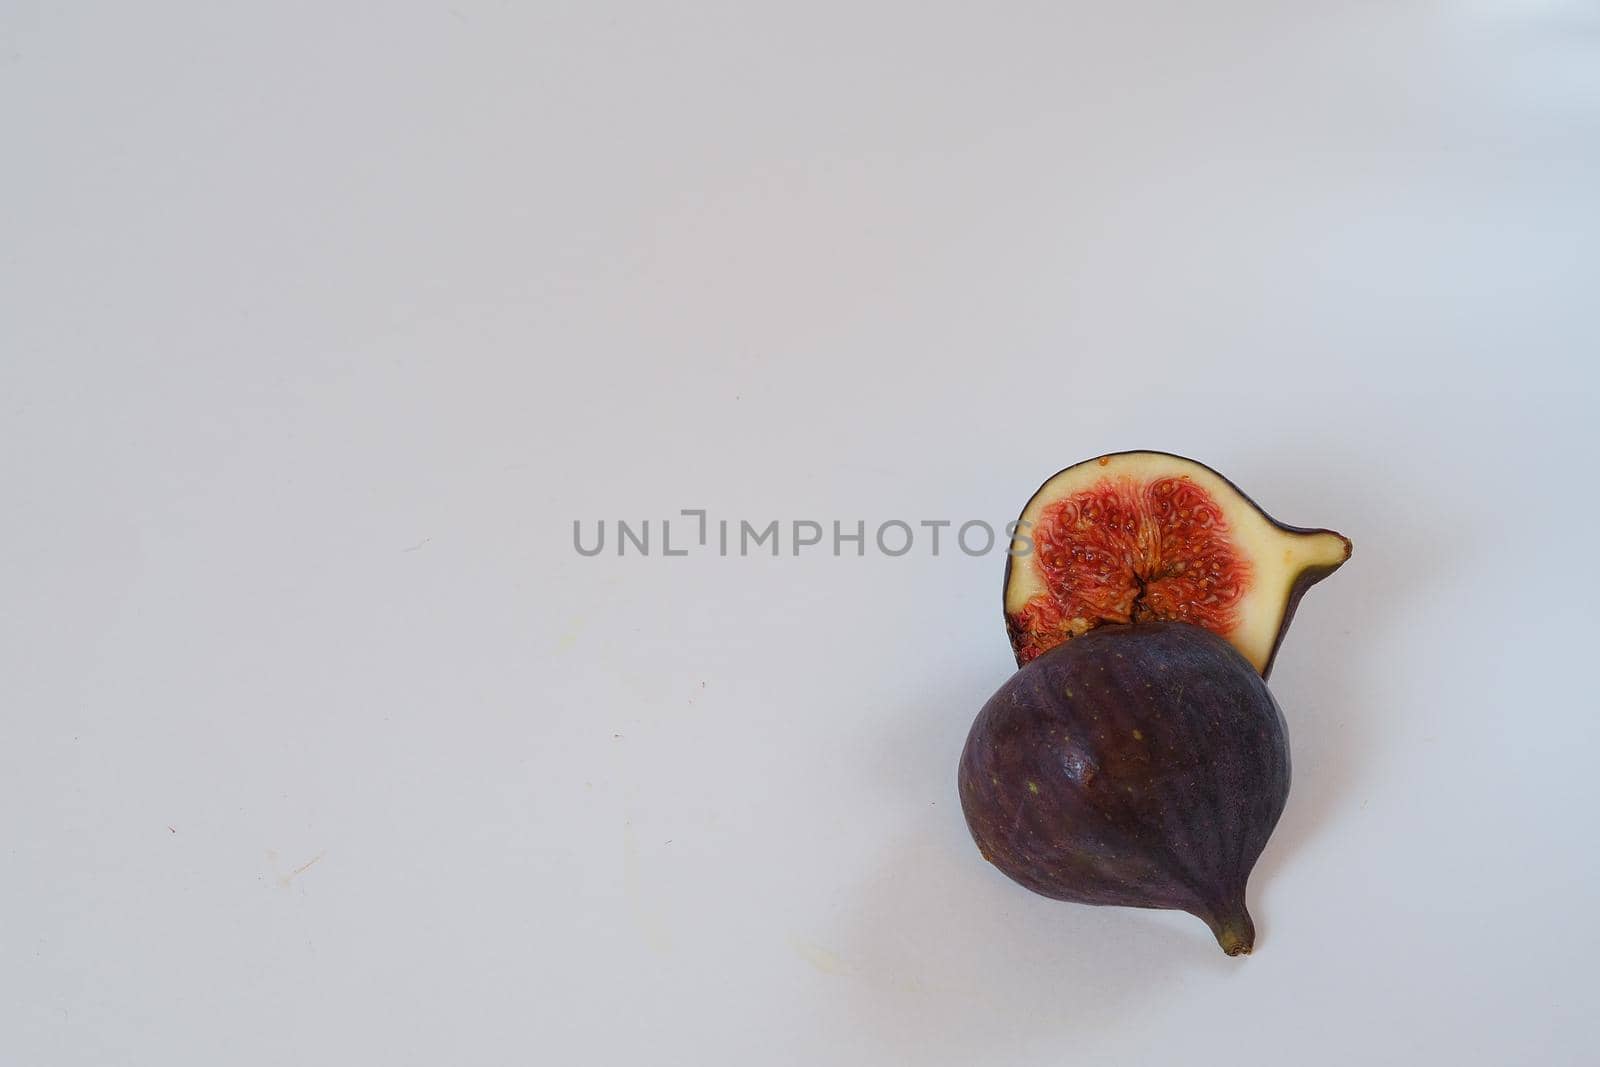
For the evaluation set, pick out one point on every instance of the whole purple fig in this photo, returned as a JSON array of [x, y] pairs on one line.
[[1141, 765]]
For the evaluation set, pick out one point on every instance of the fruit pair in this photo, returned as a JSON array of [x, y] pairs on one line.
[[1137, 757]]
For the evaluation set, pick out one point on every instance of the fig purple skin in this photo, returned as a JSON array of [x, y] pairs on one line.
[[1142, 765]]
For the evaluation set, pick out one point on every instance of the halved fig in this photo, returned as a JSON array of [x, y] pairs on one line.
[[1144, 536]]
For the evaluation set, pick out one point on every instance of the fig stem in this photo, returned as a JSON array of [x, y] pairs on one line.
[[1234, 929]]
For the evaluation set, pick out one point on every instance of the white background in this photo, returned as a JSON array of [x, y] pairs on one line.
[[321, 323]]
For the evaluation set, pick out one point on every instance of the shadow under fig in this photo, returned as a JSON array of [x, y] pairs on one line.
[[1328, 676]]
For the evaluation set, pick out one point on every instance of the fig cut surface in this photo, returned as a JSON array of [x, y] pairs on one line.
[[1149, 536]]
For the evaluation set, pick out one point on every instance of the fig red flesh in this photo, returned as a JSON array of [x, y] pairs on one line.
[[1125, 550]]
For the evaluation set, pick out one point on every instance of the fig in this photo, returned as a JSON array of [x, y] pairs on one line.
[[1141, 765], [1137, 757], [1149, 536]]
